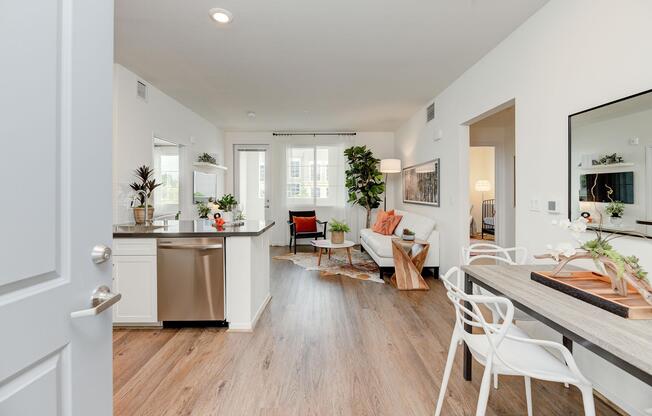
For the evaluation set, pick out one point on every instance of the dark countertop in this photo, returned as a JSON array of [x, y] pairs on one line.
[[190, 228]]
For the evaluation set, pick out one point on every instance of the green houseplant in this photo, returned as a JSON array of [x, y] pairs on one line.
[[408, 235], [203, 210], [206, 158], [338, 229], [144, 187], [364, 182], [226, 204], [615, 210]]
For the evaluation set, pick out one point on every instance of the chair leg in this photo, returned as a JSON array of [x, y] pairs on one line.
[[495, 381], [295, 244], [447, 373], [483, 397], [587, 398], [528, 395]]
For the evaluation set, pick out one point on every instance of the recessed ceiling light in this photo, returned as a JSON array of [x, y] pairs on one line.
[[251, 114], [221, 16]]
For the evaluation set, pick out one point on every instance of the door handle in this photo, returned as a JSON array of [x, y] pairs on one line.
[[101, 300]]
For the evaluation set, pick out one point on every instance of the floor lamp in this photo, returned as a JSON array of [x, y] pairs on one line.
[[389, 166]]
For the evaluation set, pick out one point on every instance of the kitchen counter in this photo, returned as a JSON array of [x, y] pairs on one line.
[[190, 228]]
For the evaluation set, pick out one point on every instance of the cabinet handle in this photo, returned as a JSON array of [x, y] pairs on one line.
[[192, 246]]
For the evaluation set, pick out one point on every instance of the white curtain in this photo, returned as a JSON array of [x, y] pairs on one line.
[[311, 171]]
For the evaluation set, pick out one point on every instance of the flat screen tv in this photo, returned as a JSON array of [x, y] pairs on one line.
[[622, 184]]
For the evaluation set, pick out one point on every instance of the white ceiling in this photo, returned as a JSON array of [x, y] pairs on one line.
[[308, 64]]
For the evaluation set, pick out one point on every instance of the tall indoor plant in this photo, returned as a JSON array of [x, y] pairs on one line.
[[146, 184], [364, 182]]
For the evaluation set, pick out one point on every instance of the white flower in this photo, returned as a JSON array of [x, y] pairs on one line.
[[562, 250], [579, 225]]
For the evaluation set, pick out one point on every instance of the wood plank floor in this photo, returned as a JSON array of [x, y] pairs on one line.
[[324, 346]]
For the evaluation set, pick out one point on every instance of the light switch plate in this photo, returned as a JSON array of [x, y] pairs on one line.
[[534, 205]]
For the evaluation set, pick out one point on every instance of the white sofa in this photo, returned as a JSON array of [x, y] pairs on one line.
[[379, 246]]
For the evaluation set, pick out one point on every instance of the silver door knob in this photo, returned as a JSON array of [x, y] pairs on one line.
[[101, 300], [100, 253]]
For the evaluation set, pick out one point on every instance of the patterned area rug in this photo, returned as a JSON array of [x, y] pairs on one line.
[[364, 268]]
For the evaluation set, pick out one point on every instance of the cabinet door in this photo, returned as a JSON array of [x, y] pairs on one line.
[[135, 278]]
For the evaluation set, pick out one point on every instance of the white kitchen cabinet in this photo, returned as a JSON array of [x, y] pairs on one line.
[[134, 276]]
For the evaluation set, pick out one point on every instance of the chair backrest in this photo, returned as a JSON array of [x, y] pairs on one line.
[[512, 255], [302, 214], [467, 310]]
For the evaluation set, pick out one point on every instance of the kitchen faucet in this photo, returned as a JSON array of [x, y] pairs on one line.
[[144, 194]]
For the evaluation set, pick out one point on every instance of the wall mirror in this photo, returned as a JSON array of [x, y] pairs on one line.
[[204, 186], [610, 165]]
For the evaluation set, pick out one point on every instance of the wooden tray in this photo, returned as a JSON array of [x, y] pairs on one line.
[[595, 289]]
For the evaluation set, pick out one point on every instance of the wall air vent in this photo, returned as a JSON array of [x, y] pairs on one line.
[[141, 89], [430, 113]]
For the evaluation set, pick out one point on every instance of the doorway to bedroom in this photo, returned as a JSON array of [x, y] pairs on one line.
[[492, 183]]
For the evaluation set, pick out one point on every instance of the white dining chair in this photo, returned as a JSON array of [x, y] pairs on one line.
[[487, 251], [505, 349]]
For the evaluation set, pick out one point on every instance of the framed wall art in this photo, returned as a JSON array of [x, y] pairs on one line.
[[421, 183]]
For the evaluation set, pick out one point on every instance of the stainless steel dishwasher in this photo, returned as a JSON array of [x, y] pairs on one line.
[[190, 279]]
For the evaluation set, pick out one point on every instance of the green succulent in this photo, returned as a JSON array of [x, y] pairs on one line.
[[227, 203]]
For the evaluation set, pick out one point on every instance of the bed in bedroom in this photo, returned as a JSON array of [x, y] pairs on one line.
[[488, 217]]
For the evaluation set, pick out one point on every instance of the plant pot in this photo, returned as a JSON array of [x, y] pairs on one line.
[[616, 221], [407, 237], [337, 237], [227, 216], [139, 214]]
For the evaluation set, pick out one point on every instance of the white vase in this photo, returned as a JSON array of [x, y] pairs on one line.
[[616, 221], [227, 216]]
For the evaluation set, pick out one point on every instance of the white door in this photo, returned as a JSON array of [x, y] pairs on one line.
[[252, 184], [55, 167]]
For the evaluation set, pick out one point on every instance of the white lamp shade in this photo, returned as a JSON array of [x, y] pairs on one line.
[[390, 165], [483, 185]]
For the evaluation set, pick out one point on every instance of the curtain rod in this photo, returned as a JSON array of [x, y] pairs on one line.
[[314, 134]]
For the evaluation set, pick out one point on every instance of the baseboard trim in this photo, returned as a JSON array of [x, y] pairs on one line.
[[249, 327]]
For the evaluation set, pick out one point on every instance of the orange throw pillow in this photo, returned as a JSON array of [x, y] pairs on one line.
[[380, 219], [305, 224], [388, 225]]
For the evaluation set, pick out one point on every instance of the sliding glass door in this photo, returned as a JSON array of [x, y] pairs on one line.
[[252, 180]]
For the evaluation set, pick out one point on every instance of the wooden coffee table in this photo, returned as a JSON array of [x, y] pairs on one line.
[[409, 258], [326, 244]]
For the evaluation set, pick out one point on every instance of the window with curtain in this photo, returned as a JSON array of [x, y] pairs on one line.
[[314, 180], [315, 173]]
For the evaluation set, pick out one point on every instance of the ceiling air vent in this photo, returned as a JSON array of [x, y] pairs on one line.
[[141, 89], [430, 113]]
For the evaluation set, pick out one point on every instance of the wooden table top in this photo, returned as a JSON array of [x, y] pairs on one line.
[[630, 340]]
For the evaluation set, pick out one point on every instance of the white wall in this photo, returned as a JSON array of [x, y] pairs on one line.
[[381, 143], [135, 122], [569, 56]]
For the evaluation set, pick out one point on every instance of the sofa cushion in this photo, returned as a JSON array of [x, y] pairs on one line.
[[381, 218], [387, 225], [380, 244], [422, 226]]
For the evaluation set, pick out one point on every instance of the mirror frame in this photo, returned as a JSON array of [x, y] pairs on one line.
[[570, 146]]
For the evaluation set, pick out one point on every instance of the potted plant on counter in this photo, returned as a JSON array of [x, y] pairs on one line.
[[144, 188], [338, 229], [615, 210], [226, 204], [203, 210]]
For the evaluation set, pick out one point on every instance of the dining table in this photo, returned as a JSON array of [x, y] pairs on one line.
[[626, 343]]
